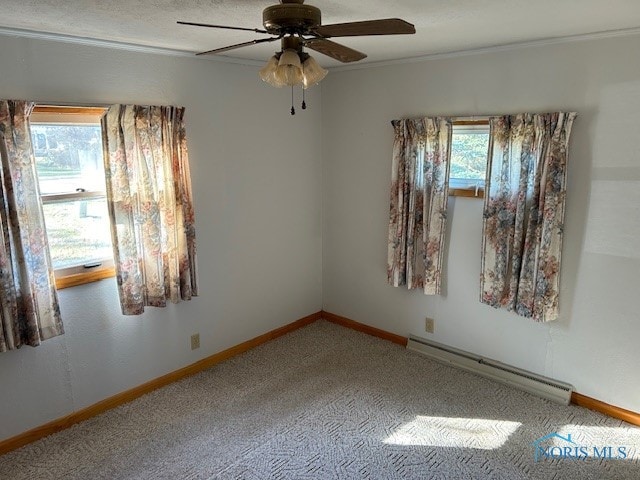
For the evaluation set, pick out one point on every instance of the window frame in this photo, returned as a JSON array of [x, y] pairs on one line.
[[104, 268], [473, 191]]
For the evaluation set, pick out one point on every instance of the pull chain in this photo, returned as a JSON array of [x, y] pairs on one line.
[[293, 110]]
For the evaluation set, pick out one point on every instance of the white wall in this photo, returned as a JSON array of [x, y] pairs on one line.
[[594, 345], [258, 220], [261, 244]]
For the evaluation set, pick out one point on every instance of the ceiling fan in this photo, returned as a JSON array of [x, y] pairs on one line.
[[297, 26]]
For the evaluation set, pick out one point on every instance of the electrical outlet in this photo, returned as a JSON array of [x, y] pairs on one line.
[[429, 325], [195, 341]]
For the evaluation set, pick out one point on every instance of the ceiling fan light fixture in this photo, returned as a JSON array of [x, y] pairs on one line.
[[268, 72], [289, 71], [288, 75], [313, 73], [290, 58]]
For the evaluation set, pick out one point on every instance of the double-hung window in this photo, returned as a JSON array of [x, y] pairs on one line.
[[67, 144], [469, 150]]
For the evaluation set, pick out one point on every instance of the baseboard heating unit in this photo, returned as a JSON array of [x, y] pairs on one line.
[[530, 382]]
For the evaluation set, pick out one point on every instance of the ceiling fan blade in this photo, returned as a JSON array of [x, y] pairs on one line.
[[238, 45], [334, 50], [257, 30], [388, 26]]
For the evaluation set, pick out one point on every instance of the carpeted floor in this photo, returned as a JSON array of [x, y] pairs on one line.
[[326, 402]]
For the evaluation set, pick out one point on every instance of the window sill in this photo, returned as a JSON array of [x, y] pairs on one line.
[[466, 192], [82, 278]]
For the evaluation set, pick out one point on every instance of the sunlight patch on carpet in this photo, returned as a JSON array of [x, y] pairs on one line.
[[475, 433]]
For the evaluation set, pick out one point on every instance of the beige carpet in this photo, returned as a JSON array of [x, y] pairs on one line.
[[326, 402]]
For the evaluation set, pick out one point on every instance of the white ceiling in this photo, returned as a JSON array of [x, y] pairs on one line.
[[442, 25]]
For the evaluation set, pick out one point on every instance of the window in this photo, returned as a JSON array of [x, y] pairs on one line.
[[67, 144], [469, 150]]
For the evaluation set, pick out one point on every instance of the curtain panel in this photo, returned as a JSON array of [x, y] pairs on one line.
[[150, 204], [28, 300], [524, 213], [418, 203]]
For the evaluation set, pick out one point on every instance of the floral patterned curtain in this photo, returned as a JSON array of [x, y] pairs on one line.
[[418, 209], [29, 308], [150, 204], [524, 213]]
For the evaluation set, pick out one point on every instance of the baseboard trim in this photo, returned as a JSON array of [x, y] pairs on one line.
[[67, 421], [609, 410], [576, 398], [361, 327]]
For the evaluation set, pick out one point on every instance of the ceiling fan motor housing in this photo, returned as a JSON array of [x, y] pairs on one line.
[[291, 18]]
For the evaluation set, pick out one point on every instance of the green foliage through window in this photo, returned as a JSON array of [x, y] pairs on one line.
[[469, 154]]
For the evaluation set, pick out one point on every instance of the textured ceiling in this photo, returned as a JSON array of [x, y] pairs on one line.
[[442, 26]]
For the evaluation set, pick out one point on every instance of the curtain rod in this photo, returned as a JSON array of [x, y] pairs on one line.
[[72, 104], [475, 118], [479, 119], [454, 118], [472, 118]]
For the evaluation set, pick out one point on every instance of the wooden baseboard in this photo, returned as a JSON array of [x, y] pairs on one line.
[[129, 395], [609, 410], [576, 398], [124, 397], [361, 327]]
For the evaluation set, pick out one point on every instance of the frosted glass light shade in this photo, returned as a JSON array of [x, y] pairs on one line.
[[285, 68], [268, 73], [289, 71], [290, 57], [313, 73]]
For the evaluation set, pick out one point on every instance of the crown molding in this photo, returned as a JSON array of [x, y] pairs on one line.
[[130, 47], [493, 49]]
